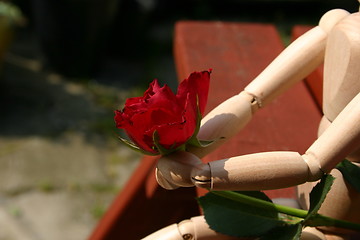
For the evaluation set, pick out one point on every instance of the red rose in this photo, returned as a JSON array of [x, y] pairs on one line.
[[173, 117]]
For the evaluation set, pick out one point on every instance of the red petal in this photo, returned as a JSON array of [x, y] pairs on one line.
[[163, 98], [174, 134], [197, 84], [143, 125], [172, 116], [121, 120], [139, 125]]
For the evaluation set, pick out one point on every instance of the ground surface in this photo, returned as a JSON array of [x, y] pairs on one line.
[[61, 163], [59, 168]]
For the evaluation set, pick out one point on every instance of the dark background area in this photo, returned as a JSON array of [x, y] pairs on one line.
[[112, 50], [78, 38]]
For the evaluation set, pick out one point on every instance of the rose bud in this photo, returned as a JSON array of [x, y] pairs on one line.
[[161, 122]]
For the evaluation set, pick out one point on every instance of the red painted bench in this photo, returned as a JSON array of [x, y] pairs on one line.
[[236, 52]]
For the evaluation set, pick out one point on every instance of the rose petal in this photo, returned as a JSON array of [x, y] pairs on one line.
[[197, 84], [119, 119], [136, 131], [164, 98], [174, 117], [144, 124], [174, 134]]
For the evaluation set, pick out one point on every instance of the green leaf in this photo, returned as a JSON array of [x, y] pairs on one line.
[[193, 141], [164, 151], [289, 219], [198, 117], [317, 196], [255, 194], [134, 147], [234, 218], [287, 232], [351, 173], [157, 144]]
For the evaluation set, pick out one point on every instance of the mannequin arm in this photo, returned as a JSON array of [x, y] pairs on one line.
[[274, 170], [298, 60], [259, 171], [339, 140], [291, 66], [195, 228]]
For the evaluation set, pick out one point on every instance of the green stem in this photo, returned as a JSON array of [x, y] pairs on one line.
[[317, 220], [321, 220], [261, 203]]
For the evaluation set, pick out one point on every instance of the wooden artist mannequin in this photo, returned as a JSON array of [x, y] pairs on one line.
[[336, 41]]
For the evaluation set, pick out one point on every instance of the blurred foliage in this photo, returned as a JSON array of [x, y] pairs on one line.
[[98, 210], [11, 13]]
